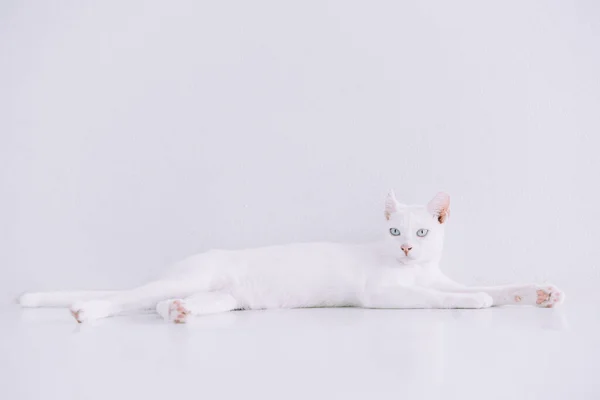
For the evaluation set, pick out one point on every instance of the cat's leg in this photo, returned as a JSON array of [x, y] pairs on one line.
[[143, 297], [540, 295], [178, 310], [415, 297]]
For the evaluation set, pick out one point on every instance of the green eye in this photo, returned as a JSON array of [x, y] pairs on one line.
[[395, 231], [422, 232]]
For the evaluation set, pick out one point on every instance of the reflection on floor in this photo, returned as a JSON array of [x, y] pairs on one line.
[[500, 353]]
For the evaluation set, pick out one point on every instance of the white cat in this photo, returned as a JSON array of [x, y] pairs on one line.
[[400, 271]]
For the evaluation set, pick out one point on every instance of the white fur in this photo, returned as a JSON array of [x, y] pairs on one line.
[[385, 274]]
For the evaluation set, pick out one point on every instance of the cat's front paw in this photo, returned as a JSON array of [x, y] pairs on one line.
[[173, 310], [88, 311], [549, 296], [546, 296], [483, 300]]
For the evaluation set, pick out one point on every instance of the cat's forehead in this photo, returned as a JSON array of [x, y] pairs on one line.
[[412, 214]]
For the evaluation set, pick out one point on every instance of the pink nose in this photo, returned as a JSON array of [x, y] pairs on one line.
[[406, 248]]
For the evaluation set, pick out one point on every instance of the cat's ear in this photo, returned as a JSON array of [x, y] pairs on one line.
[[391, 205], [439, 207]]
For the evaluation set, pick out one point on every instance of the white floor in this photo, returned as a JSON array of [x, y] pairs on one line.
[[502, 353]]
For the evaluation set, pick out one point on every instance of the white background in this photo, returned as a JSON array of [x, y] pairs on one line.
[[133, 134]]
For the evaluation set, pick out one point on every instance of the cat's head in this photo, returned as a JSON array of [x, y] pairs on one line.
[[415, 234]]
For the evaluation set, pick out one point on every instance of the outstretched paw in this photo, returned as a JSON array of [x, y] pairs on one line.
[[549, 296], [174, 310]]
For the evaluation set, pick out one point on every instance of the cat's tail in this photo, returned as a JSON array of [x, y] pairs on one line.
[[60, 299]]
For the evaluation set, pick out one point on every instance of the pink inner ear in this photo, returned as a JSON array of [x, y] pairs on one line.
[[391, 205], [439, 206], [444, 214]]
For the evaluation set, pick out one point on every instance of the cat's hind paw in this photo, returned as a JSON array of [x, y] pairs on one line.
[[173, 310], [91, 310]]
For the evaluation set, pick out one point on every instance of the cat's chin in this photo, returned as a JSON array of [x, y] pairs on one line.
[[406, 261]]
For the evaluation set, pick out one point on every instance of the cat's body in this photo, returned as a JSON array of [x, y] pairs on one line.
[[399, 272], [288, 276]]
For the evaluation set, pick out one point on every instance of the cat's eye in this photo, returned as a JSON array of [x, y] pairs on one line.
[[422, 232], [395, 231]]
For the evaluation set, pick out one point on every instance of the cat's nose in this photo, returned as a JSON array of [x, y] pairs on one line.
[[406, 248]]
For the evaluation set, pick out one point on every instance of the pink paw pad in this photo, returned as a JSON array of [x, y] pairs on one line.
[[178, 312], [542, 296], [549, 297], [75, 315]]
